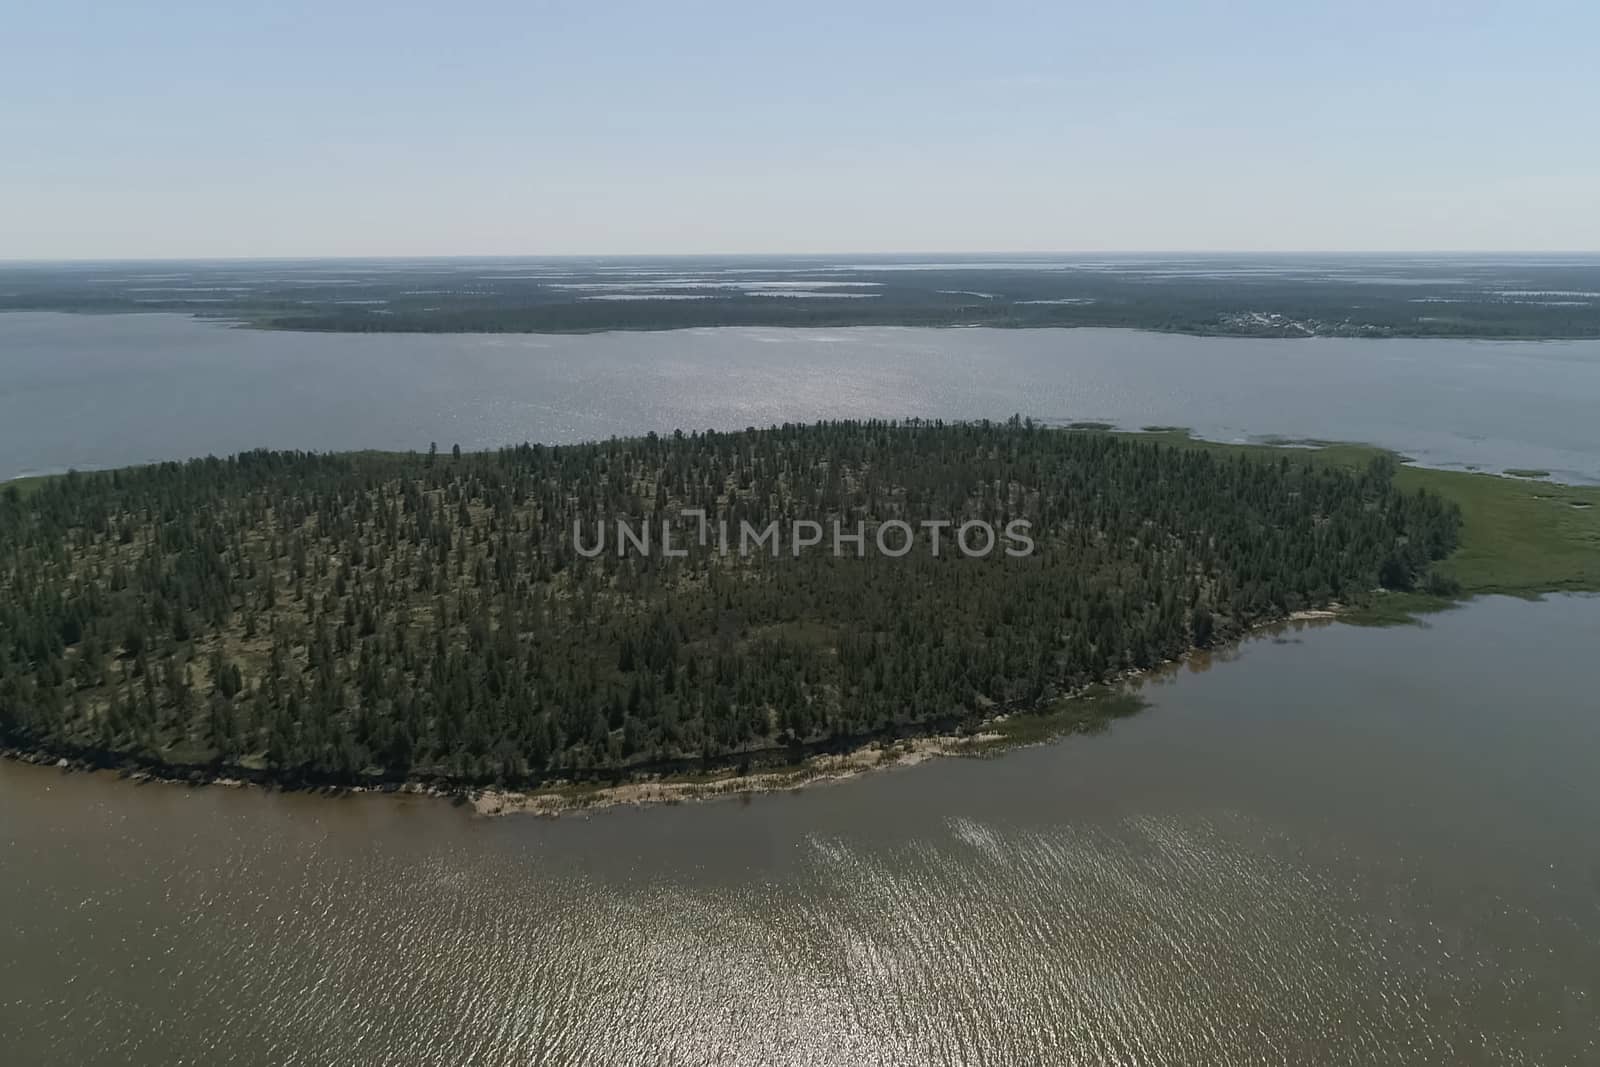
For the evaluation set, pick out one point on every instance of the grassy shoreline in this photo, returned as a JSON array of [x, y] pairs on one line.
[[1520, 538]]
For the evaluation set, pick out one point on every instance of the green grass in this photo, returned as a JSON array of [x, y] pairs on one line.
[[1519, 538], [1396, 609], [1086, 713], [1527, 472]]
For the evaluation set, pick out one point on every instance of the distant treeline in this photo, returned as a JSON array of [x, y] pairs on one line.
[[351, 617]]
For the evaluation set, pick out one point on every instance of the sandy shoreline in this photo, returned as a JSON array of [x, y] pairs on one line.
[[876, 756], [906, 752], [562, 798]]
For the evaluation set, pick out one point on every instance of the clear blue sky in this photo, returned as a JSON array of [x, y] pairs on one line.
[[486, 127]]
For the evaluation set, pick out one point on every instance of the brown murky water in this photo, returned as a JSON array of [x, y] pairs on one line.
[[1344, 847]]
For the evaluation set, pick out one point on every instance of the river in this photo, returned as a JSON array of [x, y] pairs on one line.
[[1341, 846], [111, 390]]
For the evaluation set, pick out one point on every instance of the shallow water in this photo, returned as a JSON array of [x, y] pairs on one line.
[[1340, 846], [107, 390]]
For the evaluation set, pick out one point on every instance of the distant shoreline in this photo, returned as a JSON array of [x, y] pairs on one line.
[[952, 322], [1273, 295], [247, 322]]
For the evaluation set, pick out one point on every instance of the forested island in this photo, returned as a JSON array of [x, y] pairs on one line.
[[366, 617]]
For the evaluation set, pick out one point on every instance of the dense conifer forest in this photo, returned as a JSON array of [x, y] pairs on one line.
[[355, 617]]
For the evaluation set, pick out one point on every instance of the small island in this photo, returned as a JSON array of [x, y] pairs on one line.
[[458, 622]]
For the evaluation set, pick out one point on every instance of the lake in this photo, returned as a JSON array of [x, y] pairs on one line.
[[1331, 845], [110, 390]]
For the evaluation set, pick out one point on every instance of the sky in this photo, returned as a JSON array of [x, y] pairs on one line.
[[223, 129]]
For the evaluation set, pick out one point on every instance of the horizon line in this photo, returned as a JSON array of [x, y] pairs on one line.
[[398, 257]]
